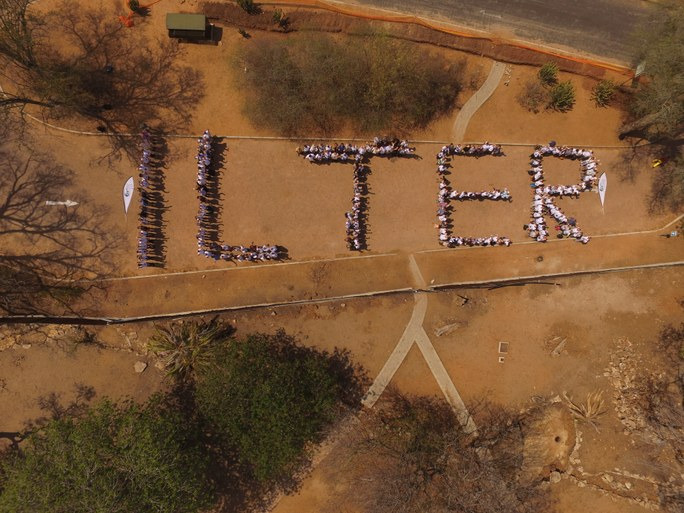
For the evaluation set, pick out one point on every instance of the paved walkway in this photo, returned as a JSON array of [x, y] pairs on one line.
[[414, 332], [476, 101]]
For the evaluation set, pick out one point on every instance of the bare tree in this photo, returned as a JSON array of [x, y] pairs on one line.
[[16, 32], [417, 457], [89, 66], [45, 250], [658, 108]]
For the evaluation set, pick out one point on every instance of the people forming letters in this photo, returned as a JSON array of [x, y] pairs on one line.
[[355, 220], [207, 185], [447, 193], [543, 195], [543, 204]]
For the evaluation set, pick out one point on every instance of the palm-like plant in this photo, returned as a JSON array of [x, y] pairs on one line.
[[184, 347], [589, 411]]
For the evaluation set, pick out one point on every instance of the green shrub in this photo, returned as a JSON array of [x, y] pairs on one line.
[[533, 96], [603, 93], [562, 96], [116, 458], [548, 73], [249, 6]]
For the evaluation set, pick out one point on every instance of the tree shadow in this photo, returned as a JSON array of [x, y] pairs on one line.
[[47, 249], [631, 159], [54, 408], [116, 77]]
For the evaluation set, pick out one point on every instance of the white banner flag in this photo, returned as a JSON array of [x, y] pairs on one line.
[[603, 182], [128, 189]]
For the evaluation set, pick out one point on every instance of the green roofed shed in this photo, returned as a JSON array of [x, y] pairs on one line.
[[187, 26]]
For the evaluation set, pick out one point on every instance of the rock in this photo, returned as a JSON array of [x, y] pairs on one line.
[[140, 366], [160, 365], [549, 440], [342, 305], [26, 346], [273, 314], [555, 476], [628, 485], [448, 328]]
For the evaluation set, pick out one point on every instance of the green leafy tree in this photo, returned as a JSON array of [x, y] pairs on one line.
[[548, 73], [562, 96], [116, 459], [603, 93], [267, 398]]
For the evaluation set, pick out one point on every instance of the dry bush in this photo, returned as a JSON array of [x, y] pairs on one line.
[[412, 455], [81, 61], [319, 84], [662, 394], [533, 96]]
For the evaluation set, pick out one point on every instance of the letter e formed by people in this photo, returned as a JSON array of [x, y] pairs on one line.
[[448, 193]]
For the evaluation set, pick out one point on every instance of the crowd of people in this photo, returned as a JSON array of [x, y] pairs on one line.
[[494, 194], [543, 202], [341, 152], [356, 218], [446, 194], [471, 150], [151, 243], [208, 244]]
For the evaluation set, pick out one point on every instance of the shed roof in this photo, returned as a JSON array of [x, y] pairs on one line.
[[178, 21]]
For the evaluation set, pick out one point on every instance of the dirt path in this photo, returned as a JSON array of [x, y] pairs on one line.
[[302, 281], [477, 100]]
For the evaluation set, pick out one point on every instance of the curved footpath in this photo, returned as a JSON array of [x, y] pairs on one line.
[[476, 101]]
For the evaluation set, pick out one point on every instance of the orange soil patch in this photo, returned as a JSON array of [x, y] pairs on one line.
[[502, 118], [35, 372]]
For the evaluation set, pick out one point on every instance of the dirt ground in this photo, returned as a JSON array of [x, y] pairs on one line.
[[592, 313], [273, 196]]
